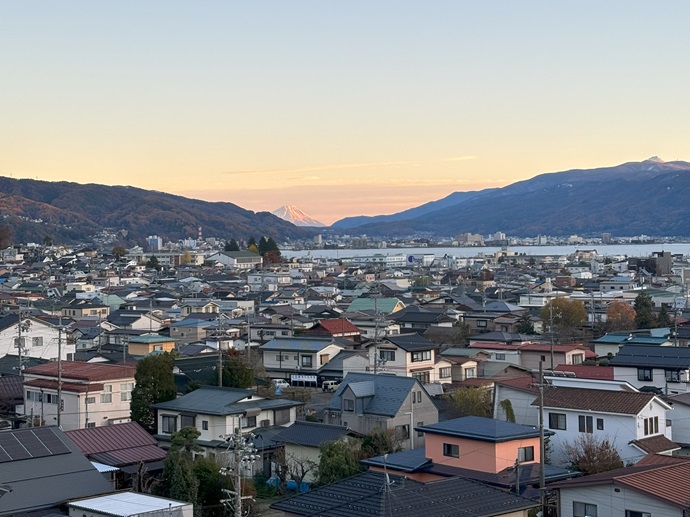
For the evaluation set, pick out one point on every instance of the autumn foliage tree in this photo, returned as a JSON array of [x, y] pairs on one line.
[[564, 316], [620, 316]]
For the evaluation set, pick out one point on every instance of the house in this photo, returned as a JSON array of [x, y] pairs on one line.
[[416, 319], [298, 358], [93, 394], [39, 339], [409, 355], [129, 504], [146, 344], [241, 260], [375, 494], [216, 412], [198, 306], [633, 422], [666, 368], [531, 354], [378, 305], [192, 329], [124, 446], [655, 486], [335, 328], [364, 402], [41, 469], [479, 448], [302, 439]]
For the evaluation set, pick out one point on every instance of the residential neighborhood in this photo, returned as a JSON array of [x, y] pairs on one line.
[[494, 377]]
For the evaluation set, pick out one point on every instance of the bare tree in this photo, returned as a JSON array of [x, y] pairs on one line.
[[592, 455], [293, 466]]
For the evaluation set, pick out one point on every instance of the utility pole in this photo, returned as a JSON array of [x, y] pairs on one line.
[[542, 447], [244, 456], [59, 386]]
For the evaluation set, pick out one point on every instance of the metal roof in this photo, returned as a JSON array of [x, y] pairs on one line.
[[310, 434], [297, 344], [482, 429], [389, 394], [652, 355], [124, 504]]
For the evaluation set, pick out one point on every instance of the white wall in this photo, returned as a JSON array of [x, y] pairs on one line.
[[613, 504]]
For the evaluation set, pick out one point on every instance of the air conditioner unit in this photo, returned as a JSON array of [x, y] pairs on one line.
[[265, 423]]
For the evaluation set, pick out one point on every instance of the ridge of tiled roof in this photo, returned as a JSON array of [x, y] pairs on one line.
[[604, 401]]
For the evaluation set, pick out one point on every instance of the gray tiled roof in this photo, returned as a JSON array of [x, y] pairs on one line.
[[297, 344], [310, 434], [651, 355], [389, 394], [412, 342], [212, 400], [363, 389], [406, 461], [481, 428], [369, 494]]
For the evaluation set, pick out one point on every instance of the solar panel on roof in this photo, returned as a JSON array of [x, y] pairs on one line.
[[30, 443]]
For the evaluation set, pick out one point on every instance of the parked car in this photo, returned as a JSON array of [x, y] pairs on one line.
[[330, 385], [281, 383]]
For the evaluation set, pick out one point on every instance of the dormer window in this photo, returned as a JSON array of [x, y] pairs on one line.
[[348, 405]]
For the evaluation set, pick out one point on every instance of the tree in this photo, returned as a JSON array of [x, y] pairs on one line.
[[5, 236], [184, 440], [251, 242], [381, 441], [591, 455], [232, 245], [293, 466], [663, 319], [564, 315], [339, 460], [178, 480], [471, 402], [186, 257], [119, 252], [525, 325], [211, 485], [644, 315], [507, 407], [237, 373], [153, 263], [154, 383], [620, 316]]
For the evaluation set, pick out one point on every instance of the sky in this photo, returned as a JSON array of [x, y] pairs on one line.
[[341, 108]]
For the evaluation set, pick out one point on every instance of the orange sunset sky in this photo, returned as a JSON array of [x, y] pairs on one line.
[[339, 108]]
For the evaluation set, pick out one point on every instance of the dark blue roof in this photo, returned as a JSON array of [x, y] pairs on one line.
[[652, 355], [406, 461], [390, 391], [310, 434], [412, 342], [480, 428]]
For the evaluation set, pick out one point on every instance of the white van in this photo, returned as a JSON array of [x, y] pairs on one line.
[[330, 385], [281, 383]]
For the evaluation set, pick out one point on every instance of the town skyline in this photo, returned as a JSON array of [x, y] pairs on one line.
[[337, 109]]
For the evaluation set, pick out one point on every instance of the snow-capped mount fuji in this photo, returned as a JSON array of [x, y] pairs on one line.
[[294, 215]]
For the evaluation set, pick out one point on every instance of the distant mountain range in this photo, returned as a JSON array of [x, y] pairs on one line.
[[71, 212], [648, 197], [295, 216]]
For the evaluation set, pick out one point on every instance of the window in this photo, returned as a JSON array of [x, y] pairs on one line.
[[543, 359], [672, 376], [281, 416], [526, 454], [584, 509], [578, 358], [633, 513], [481, 323], [296, 357], [600, 424], [187, 421], [37, 341], [169, 424], [306, 361], [387, 355], [585, 424], [107, 394], [444, 373], [348, 405], [470, 373], [204, 425], [451, 450], [422, 377], [249, 421], [420, 433], [34, 396], [421, 356], [557, 421], [644, 374], [403, 431], [651, 425], [90, 424], [500, 357], [323, 359], [126, 391], [90, 400]]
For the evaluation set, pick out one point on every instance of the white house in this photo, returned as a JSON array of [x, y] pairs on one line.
[[666, 368], [38, 338]]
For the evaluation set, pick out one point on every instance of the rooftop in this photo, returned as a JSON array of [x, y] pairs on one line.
[[483, 429]]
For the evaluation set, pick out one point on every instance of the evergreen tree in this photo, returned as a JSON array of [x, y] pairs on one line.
[[232, 245], [178, 481], [154, 383], [525, 325], [153, 263], [663, 319], [339, 460], [211, 485], [263, 246], [644, 317], [237, 373], [251, 242]]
